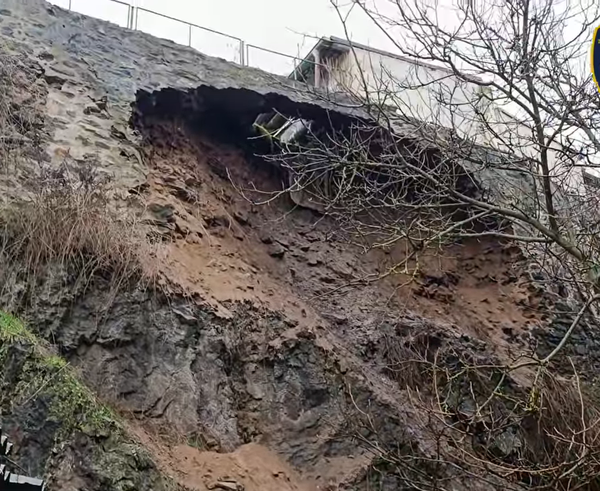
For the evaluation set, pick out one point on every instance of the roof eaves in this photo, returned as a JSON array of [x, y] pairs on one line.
[[345, 42]]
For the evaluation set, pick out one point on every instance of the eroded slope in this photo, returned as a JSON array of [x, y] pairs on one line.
[[259, 351]]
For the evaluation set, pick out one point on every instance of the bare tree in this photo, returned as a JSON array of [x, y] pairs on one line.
[[486, 134], [517, 89]]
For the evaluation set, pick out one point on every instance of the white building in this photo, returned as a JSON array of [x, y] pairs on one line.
[[424, 92]]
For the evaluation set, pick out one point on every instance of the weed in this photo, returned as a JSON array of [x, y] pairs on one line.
[[44, 374], [69, 226], [12, 330], [196, 440]]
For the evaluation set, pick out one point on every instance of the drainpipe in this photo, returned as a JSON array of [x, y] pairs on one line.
[[317, 57]]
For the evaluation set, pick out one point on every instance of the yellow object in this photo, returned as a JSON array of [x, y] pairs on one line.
[[595, 56]]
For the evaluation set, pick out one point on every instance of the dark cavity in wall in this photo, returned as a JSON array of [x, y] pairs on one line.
[[230, 116], [226, 115]]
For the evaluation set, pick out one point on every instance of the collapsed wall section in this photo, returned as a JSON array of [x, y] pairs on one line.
[[265, 327]]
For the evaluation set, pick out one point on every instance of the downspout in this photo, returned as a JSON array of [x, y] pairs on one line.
[[317, 57]]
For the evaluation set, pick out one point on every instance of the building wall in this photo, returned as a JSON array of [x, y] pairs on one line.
[[434, 95], [422, 92], [517, 137]]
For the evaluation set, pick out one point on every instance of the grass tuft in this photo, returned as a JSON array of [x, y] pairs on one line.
[[12, 330], [69, 226]]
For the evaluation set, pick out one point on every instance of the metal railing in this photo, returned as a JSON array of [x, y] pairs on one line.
[[287, 67], [201, 38], [10, 481], [238, 44]]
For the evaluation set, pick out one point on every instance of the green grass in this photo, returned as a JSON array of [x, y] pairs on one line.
[[37, 374], [43, 373], [12, 330]]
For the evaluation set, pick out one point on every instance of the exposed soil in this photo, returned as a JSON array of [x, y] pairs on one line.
[[252, 466], [270, 353], [293, 261], [223, 250]]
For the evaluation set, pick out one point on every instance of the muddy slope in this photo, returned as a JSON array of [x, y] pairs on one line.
[[261, 357], [262, 335]]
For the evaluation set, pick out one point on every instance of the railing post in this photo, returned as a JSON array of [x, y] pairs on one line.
[[133, 17]]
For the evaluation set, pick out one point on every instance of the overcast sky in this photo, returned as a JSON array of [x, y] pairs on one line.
[[287, 26]]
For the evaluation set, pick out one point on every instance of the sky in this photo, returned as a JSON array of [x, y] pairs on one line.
[[286, 26]]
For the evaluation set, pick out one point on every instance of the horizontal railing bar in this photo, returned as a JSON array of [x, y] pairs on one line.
[[120, 2], [272, 51], [187, 23]]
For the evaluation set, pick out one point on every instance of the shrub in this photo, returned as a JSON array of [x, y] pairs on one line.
[[68, 225]]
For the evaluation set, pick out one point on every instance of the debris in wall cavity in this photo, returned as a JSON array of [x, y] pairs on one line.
[[286, 134]]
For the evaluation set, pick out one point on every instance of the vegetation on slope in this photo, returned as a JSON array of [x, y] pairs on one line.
[[51, 413], [43, 374]]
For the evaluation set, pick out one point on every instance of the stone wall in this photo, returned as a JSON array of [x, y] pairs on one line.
[[94, 69]]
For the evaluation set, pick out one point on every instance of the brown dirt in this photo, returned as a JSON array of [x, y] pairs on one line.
[[252, 466], [213, 255], [221, 249]]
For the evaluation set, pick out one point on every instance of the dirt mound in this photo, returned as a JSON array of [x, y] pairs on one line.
[[347, 322], [276, 258], [250, 467]]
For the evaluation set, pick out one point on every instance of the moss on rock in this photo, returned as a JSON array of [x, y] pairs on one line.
[[45, 374], [59, 427]]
